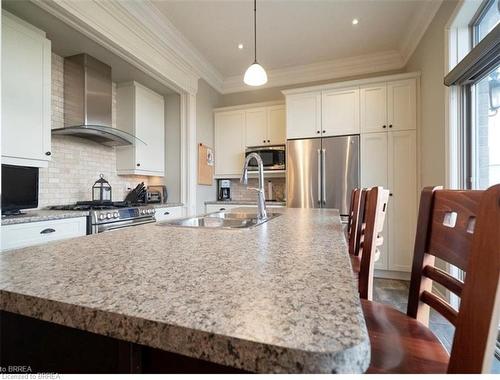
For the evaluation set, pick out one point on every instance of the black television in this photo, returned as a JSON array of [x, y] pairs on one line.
[[19, 188]]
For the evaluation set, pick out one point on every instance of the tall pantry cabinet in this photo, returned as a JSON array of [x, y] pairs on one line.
[[383, 111]]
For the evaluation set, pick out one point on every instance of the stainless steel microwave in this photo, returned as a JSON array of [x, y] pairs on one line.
[[273, 157]]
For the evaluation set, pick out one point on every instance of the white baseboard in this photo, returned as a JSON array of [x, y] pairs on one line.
[[393, 275]]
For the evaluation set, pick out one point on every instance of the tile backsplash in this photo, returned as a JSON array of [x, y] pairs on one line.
[[76, 163], [239, 192]]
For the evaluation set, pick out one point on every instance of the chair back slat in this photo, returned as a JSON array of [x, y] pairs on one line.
[[440, 305], [373, 220], [445, 279], [452, 226], [463, 229]]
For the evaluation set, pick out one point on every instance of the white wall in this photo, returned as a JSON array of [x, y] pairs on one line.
[[206, 100], [428, 58], [173, 147]]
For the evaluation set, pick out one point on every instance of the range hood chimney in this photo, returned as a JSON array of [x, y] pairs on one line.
[[88, 102]]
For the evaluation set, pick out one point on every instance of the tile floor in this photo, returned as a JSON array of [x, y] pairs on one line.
[[395, 292]]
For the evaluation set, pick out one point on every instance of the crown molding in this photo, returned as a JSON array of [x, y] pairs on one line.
[[117, 27], [173, 39], [418, 27], [339, 68]]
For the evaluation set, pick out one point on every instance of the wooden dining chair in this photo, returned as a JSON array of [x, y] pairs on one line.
[[463, 229], [369, 238], [354, 227]]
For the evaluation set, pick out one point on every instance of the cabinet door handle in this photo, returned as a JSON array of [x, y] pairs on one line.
[[390, 125], [138, 164], [324, 131], [47, 231], [48, 153], [264, 141], [268, 141], [317, 131], [166, 213], [384, 126], [390, 194]]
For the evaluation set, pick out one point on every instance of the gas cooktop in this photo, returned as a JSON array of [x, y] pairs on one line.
[[95, 205]]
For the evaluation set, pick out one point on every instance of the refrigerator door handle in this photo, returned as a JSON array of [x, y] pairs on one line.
[[319, 177], [323, 180]]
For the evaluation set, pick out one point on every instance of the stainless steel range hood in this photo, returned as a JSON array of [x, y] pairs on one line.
[[88, 102]]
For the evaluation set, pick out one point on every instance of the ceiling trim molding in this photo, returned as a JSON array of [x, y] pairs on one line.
[[114, 26], [172, 38], [339, 68], [418, 27]]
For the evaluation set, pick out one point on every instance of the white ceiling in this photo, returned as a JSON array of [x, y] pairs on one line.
[[295, 33]]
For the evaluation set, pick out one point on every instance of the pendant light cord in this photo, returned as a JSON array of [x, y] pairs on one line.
[[255, 29]]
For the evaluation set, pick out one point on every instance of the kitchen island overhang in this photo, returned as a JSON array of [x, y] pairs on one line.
[[279, 297]]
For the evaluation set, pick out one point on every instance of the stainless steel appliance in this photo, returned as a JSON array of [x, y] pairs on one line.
[[156, 194], [224, 193], [88, 102], [113, 215], [322, 172], [273, 157]]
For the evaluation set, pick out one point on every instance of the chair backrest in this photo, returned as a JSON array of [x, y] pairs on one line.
[[355, 225], [370, 237], [461, 228]]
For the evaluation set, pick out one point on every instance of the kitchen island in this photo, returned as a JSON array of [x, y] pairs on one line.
[[280, 297]]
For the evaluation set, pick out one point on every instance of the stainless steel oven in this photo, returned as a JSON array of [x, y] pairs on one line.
[[273, 157]]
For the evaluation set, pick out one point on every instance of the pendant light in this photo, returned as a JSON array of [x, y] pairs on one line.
[[255, 74]]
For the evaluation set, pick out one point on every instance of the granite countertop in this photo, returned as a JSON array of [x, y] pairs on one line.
[[245, 203], [41, 215], [168, 204], [279, 297]]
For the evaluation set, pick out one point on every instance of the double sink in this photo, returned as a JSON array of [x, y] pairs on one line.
[[221, 220]]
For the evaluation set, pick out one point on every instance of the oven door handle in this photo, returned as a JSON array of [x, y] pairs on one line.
[[127, 225]]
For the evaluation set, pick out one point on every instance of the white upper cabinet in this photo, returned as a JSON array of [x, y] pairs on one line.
[[303, 115], [26, 97], [140, 112], [340, 112], [373, 108], [276, 125], [229, 142], [256, 127], [402, 104], [265, 126]]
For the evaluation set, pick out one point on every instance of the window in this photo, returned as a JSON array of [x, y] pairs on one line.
[[488, 17], [484, 142], [477, 80]]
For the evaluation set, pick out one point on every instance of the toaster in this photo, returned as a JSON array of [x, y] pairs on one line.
[[156, 194]]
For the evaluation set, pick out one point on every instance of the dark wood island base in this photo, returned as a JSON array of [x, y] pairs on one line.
[[51, 348]]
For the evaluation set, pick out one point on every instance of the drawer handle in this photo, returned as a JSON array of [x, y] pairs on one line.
[[222, 209], [166, 213], [47, 231]]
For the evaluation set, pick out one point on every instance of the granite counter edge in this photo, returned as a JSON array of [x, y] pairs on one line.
[[230, 351]]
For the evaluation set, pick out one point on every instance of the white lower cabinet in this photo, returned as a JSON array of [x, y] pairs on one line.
[[168, 213], [389, 160], [28, 234]]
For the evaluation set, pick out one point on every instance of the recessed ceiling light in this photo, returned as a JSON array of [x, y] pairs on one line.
[[355, 21], [240, 46]]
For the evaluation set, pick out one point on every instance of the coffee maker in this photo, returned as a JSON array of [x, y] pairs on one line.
[[224, 190]]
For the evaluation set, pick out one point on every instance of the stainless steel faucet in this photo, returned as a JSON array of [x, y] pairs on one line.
[[261, 199]]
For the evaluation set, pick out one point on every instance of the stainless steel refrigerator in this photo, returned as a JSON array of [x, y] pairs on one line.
[[321, 172]]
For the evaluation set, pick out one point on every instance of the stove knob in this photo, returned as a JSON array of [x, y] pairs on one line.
[[116, 215], [143, 212], [102, 216], [108, 215], [150, 211]]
